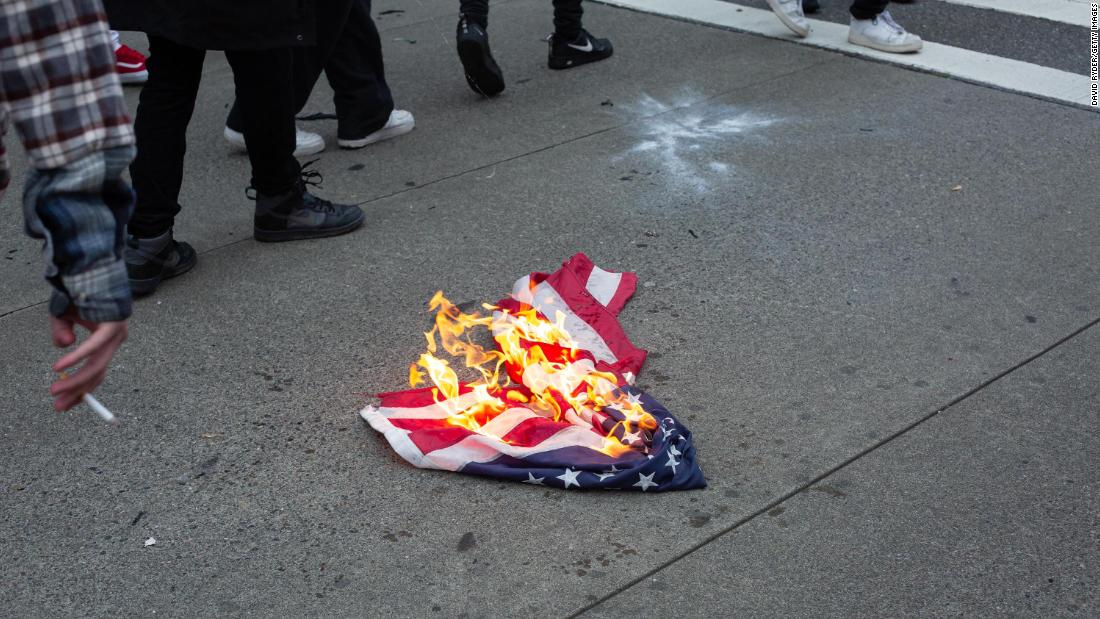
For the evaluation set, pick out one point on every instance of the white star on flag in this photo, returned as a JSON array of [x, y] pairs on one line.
[[672, 450], [646, 481], [672, 463], [569, 477], [668, 432], [634, 399], [630, 437], [534, 481], [604, 475]]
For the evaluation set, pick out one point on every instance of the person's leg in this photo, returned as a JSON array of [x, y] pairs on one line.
[[332, 17], [483, 74], [476, 10], [285, 211], [332, 21], [160, 126], [571, 45], [357, 74], [867, 9], [267, 105], [872, 26], [163, 113], [364, 104], [791, 13], [567, 18]]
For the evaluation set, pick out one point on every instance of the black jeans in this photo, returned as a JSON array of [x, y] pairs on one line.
[[868, 9], [357, 74], [164, 111], [567, 15], [351, 57]]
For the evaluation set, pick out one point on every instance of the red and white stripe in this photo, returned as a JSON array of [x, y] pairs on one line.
[[589, 298]]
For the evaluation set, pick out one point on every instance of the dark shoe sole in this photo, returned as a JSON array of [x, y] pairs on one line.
[[477, 63], [559, 63], [280, 236], [147, 286]]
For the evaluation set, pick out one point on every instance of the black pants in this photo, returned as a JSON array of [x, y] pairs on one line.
[[164, 111], [567, 15], [352, 62], [358, 77], [868, 9]]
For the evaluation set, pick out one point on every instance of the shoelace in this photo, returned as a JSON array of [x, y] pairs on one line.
[[308, 177], [314, 203], [313, 178], [888, 19]]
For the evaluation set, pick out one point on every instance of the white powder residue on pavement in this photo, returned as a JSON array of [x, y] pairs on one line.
[[681, 141]]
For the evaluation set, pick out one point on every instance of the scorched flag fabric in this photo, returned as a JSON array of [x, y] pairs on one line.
[[569, 417]]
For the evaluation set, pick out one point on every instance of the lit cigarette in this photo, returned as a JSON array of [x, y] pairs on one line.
[[97, 406], [100, 409]]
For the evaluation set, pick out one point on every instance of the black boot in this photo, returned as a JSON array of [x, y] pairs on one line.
[[298, 214], [483, 74], [582, 49], [150, 261]]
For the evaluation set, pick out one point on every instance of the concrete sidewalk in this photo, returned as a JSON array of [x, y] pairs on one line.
[[989, 508], [831, 251]]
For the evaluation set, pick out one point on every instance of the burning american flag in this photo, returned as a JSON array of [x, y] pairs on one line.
[[551, 402]]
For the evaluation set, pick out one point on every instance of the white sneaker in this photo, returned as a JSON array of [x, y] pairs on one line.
[[884, 34], [306, 143], [790, 13], [400, 123]]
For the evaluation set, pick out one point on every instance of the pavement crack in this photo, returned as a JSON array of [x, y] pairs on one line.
[[828, 473], [20, 309]]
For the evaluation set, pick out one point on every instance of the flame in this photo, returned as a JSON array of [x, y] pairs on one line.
[[536, 364]]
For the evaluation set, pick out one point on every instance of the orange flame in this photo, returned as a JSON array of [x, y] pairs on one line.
[[543, 369]]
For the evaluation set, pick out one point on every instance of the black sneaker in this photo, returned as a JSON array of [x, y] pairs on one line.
[[581, 50], [151, 261], [483, 74], [298, 214]]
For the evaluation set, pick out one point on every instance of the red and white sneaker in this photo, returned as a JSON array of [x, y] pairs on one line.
[[131, 65]]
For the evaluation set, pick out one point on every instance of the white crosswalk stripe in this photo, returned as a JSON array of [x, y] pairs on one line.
[[964, 64], [1075, 12]]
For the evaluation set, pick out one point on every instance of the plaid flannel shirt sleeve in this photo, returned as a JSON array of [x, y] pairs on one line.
[[80, 210], [59, 88]]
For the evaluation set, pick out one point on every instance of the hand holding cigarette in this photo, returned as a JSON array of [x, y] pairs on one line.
[[97, 407], [93, 356]]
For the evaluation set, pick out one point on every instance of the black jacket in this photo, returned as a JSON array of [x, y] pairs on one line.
[[219, 24]]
